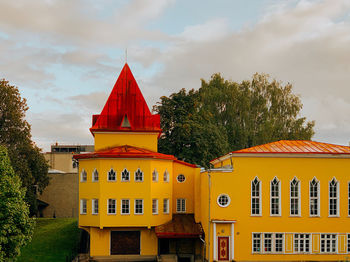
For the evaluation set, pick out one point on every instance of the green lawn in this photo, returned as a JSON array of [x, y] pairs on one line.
[[53, 240]]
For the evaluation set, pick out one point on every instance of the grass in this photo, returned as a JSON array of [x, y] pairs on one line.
[[53, 240]]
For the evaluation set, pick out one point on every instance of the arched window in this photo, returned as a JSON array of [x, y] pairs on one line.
[[125, 175], [155, 175], [275, 204], [333, 198], [95, 175], [256, 197], [111, 175], [314, 197], [83, 176], [166, 176], [295, 197], [138, 175]]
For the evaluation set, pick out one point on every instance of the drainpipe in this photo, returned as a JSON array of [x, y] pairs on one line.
[[209, 199]]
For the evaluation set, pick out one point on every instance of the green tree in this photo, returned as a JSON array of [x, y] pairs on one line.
[[224, 116], [16, 228], [26, 158], [189, 133]]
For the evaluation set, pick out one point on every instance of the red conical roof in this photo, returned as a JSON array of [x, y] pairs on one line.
[[126, 109]]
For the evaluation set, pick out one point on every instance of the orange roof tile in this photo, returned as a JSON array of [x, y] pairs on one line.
[[297, 147], [124, 151]]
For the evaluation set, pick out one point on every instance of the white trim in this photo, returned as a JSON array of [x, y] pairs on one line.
[[82, 201], [121, 175], [142, 207], [156, 201], [232, 242], [223, 221], [168, 205], [183, 203], [121, 206], [318, 197], [93, 206], [142, 175], [279, 198], [108, 180], [114, 205], [298, 198], [215, 251], [81, 175], [93, 176], [337, 198], [251, 197], [228, 202], [156, 175], [336, 243]]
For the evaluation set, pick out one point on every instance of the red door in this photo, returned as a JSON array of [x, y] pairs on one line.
[[223, 248]]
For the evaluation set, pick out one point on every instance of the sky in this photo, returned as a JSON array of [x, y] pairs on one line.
[[65, 56]]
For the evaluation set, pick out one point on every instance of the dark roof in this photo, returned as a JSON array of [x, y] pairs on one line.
[[126, 109], [181, 226]]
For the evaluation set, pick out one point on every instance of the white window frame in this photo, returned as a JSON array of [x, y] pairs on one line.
[[325, 240], [115, 206], [111, 180], [83, 206], [181, 205], [333, 198], [135, 176], [166, 176], [135, 206], [83, 175], [275, 245], [181, 175], [264, 251], [279, 197], [317, 198], [121, 206], [255, 197], [298, 197], [228, 200], [300, 240], [348, 243], [121, 176], [93, 206], [154, 206], [93, 175], [260, 245], [166, 206], [155, 175]]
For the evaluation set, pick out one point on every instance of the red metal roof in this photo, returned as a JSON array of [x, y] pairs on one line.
[[182, 226], [297, 147], [126, 109], [124, 151]]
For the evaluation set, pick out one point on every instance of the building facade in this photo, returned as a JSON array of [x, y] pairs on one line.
[[287, 200]]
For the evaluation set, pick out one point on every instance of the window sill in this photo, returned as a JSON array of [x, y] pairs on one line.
[[112, 181], [111, 214], [94, 214], [125, 214], [294, 215], [256, 215], [330, 216], [123, 181]]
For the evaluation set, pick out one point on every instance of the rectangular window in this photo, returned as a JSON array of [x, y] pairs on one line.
[[94, 204], [138, 206], [314, 197], [256, 197], [111, 206], [301, 243], [328, 243], [166, 205], [154, 206], [267, 243], [275, 197], [333, 198], [83, 206], [279, 243], [125, 207], [256, 242], [294, 197], [180, 205]]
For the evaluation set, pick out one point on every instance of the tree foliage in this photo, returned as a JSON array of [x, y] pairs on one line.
[[229, 116], [26, 158], [16, 228]]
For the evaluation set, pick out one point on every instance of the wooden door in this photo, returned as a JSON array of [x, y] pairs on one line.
[[125, 242], [223, 248]]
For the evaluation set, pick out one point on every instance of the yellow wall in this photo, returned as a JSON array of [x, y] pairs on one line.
[[144, 140], [237, 185]]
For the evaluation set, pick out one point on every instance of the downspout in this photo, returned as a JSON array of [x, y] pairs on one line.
[[209, 200]]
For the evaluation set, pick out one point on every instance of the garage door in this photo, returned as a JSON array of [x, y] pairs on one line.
[[125, 242]]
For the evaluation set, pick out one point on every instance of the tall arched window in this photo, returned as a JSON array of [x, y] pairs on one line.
[[314, 197], [295, 197], [333, 198], [275, 205], [256, 197]]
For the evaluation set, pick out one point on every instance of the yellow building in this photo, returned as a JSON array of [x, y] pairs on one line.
[[288, 200]]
